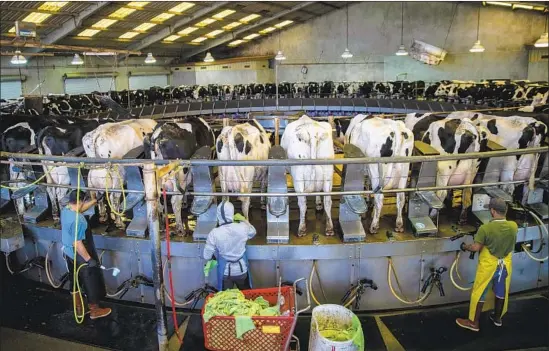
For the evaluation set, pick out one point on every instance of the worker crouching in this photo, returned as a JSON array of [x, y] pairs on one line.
[[228, 243], [495, 241], [90, 276]]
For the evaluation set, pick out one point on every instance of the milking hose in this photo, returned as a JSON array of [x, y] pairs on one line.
[[455, 267], [310, 287], [120, 214], [46, 172], [390, 269], [543, 228], [76, 271], [48, 273]]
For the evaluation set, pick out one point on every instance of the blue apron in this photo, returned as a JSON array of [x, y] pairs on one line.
[[222, 263]]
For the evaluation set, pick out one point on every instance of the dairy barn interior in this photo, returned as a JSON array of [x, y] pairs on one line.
[[364, 141]]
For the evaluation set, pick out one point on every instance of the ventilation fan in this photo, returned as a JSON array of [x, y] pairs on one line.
[[427, 53]]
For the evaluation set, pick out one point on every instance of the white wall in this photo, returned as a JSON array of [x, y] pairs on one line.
[[50, 71], [374, 37]]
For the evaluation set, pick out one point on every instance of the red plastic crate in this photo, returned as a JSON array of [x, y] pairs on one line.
[[270, 333]]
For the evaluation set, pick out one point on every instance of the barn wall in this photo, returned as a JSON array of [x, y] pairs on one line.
[[374, 36], [223, 73], [538, 64], [51, 70]]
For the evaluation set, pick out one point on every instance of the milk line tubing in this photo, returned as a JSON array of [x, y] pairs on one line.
[[65, 161]]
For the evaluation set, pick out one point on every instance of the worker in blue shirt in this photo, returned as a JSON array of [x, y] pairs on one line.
[[90, 276], [228, 243]]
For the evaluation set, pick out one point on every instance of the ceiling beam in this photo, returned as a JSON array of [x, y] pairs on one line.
[[73, 48], [23, 9], [330, 5], [164, 32], [70, 25], [231, 36], [124, 20], [38, 25]]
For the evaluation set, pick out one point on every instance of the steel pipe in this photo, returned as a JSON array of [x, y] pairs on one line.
[[151, 197], [273, 162]]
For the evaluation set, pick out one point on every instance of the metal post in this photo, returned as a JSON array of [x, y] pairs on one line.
[[277, 130], [226, 122], [151, 196], [276, 83]]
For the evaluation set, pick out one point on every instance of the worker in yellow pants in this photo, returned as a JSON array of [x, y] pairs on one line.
[[495, 241]]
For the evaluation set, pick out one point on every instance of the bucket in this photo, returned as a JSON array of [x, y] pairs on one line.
[[337, 318]]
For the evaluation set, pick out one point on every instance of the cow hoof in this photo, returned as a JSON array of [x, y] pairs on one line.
[[103, 220], [330, 232], [263, 206], [399, 229], [302, 232], [319, 207], [373, 230]]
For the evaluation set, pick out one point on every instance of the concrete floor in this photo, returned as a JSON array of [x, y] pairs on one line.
[[17, 340]]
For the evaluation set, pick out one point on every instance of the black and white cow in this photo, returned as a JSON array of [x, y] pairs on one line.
[[57, 141], [178, 141], [381, 137], [113, 140], [452, 135], [306, 138], [247, 141]]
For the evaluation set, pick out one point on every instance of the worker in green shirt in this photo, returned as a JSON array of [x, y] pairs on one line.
[[495, 241]]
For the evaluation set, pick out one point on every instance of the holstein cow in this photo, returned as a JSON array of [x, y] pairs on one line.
[[113, 140], [19, 132], [451, 136], [178, 141], [379, 137], [515, 132], [309, 139], [247, 141], [58, 140]]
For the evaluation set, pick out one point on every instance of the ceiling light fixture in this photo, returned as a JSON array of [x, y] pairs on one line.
[[499, 3], [18, 59], [209, 57], [477, 47], [543, 40], [77, 60], [223, 14], [232, 25], [187, 31], [347, 54], [137, 4], [279, 55], [402, 49], [249, 18], [179, 9], [150, 58]]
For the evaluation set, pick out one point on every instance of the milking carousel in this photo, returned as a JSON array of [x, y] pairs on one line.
[[368, 200]]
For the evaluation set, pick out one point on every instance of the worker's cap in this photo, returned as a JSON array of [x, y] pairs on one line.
[[498, 204], [73, 196]]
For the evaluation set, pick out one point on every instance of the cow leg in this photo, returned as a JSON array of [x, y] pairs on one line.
[[102, 206], [444, 171], [264, 190], [378, 204], [177, 205], [115, 201], [401, 199], [245, 206], [53, 199], [328, 210], [318, 202], [302, 202]]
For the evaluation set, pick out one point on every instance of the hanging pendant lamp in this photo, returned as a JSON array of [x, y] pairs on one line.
[[402, 49], [477, 47], [150, 58], [209, 57], [347, 54], [18, 59], [77, 60], [543, 40], [279, 55]]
